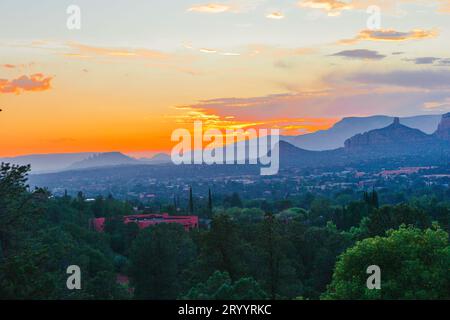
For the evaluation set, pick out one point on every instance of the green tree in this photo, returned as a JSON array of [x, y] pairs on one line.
[[210, 204], [220, 287], [191, 202], [158, 256], [414, 265], [222, 248]]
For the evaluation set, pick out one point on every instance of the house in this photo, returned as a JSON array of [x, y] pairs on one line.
[[147, 220]]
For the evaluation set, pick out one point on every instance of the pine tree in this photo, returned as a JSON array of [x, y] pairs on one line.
[[191, 202], [210, 205], [375, 199]]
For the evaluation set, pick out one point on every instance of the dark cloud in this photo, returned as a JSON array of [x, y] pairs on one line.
[[360, 54], [423, 60], [419, 79], [443, 62]]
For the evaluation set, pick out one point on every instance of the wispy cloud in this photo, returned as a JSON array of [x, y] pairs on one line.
[[332, 7], [213, 118], [390, 35], [210, 8], [17, 66], [276, 15], [84, 51], [35, 82], [336, 7]]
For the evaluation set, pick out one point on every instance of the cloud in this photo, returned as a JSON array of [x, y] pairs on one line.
[[272, 110], [208, 50], [278, 52], [361, 54], [332, 7], [17, 66], [283, 64], [440, 62], [424, 79], [442, 105], [86, 51], [214, 119], [423, 60], [344, 94], [444, 62], [336, 7], [444, 6], [210, 8], [34, 83], [390, 35], [276, 15]]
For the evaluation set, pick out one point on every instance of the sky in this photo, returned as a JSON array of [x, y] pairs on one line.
[[138, 69]]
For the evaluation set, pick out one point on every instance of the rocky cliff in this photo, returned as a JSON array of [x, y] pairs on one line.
[[443, 130], [394, 135]]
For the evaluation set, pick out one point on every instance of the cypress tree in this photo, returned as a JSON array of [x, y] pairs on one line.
[[210, 205], [191, 202]]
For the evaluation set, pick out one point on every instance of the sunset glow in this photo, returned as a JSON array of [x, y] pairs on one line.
[[131, 75]]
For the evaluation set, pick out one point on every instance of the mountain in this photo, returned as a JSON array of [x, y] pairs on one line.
[[395, 143], [159, 158], [396, 139], [104, 160], [394, 146], [335, 137], [48, 162], [393, 138], [443, 130]]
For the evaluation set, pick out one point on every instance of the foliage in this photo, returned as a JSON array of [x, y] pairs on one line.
[[414, 265]]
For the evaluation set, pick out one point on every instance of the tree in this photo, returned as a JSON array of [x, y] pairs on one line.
[[191, 202], [414, 265], [276, 270], [371, 198], [158, 256], [222, 248], [391, 217], [210, 204], [220, 287], [15, 205], [233, 201]]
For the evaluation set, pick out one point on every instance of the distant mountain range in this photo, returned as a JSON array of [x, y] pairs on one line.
[[350, 140], [393, 146], [335, 137], [47, 163], [104, 160]]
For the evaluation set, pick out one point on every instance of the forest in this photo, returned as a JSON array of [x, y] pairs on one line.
[[306, 248]]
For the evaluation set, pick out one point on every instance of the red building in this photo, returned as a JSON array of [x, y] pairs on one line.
[[146, 220]]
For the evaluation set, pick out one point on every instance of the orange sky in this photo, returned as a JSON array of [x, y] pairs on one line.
[[266, 64]]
